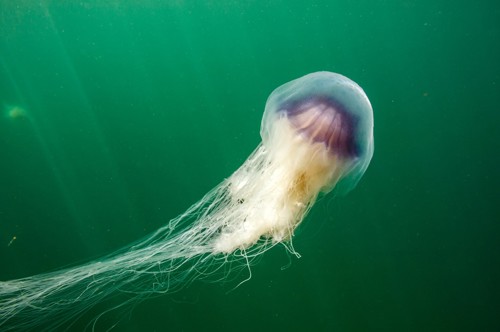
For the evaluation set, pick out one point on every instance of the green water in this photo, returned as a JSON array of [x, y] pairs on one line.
[[129, 113]]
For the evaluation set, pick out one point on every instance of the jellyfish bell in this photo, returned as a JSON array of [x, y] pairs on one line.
[[317, 136], [333, 114]]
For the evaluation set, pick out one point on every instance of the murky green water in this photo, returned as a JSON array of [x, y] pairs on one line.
[[117, 117]]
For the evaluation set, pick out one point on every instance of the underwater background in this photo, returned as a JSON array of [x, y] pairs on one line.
[[118, 115]]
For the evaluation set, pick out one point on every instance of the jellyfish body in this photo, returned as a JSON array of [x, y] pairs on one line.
[[14, 112], [317, 136]]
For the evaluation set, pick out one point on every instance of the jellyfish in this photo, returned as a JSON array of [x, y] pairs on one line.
[[317, 137], [15, 112]]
